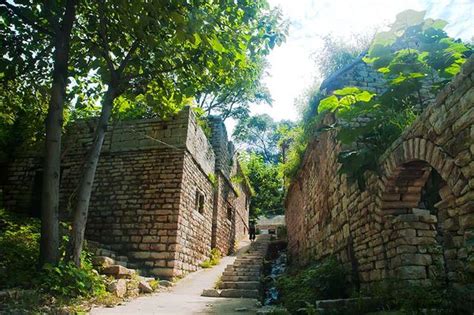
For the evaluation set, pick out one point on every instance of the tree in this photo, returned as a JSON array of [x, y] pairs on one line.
[[337, 53], [230, 95], [260, 134], [32, 21], [267, 184], [159, 52]]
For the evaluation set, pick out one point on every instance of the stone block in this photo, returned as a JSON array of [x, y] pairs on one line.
[[416, 259], [118, 287], [102, 261], [144, 287], [210, 293], [467, 221], [118, 271], [411, 272]]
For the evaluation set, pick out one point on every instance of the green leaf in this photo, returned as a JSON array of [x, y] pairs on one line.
[[347, 91], [197, 39], [436, 24], [369, 60], [330, 103], [401, 78], [216, 44], [365, 96], [453, 69]]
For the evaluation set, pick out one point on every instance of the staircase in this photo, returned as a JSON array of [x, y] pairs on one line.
[[242, 278], [102, 250]]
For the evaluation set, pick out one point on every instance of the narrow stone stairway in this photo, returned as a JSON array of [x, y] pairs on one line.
[[242, 278]]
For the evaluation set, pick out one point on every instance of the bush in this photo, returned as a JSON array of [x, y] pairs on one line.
[[19, 244], [324, 280], [68, 281], [213, 260], [413, 298]]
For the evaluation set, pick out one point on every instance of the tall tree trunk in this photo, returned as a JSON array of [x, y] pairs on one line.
[[87, 179], [49, 243]]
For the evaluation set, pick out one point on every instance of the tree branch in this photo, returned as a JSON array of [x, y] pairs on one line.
[[17, 11], [103, 37], [128, 56]]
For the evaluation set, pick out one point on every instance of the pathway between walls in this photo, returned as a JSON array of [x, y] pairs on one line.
[[185, 297]]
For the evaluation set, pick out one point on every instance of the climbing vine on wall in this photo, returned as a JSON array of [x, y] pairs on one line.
[[417, 58]]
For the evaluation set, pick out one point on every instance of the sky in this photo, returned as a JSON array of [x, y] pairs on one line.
[[292, 69]]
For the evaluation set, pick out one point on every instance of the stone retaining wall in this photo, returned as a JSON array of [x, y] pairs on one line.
[[392, 229], [153, 198]]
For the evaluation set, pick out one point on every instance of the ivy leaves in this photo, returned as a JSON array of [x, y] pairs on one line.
[[415, 48], [343, 100], [415, 54]]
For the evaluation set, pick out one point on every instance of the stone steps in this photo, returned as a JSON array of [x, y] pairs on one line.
[[238, 278], [242, 278], [237, 293], [247, 285], [101, 250], [241, 273]]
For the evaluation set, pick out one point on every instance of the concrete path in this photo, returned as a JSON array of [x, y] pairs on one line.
[[185, 297]]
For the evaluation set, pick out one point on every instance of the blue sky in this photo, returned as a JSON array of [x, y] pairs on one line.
[[292, 69]]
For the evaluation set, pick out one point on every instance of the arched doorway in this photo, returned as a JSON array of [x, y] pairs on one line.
[[416, 204]]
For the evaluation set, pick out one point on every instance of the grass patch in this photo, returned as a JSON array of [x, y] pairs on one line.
[[213, 260]]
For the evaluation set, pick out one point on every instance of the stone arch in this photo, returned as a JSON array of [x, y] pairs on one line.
[[420, 149], [418, 237]]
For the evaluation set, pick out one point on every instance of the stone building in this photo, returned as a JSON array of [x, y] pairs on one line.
[[163, 195], [415, 218]]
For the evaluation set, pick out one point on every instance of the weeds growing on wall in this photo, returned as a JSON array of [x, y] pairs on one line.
[[416, 58]]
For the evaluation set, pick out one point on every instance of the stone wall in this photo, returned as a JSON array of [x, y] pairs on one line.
[[395, 228], [144, 202], [194, 228], [241, 203], [231, 210]]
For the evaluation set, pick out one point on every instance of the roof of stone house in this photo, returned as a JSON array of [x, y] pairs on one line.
[[273, 220]]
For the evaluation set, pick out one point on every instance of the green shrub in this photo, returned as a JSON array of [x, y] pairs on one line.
[[19, 244], [324, 280], [215, 256], [67, 280], [213, 260], [414, 298]]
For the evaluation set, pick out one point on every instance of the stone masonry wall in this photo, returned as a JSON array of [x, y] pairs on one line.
[[194, 229], [386, 231], [223, 228], [230, 208], [143, 200]]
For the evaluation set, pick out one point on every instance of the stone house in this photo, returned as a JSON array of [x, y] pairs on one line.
[[270, 225], [163, 195]]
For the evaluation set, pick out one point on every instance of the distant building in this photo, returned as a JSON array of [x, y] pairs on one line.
[[163, 194], [270, 225]]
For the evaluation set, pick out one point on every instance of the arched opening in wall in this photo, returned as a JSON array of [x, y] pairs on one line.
[[414, 204], [430, 200]]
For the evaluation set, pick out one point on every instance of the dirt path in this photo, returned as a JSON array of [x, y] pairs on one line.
[[185, 297]]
